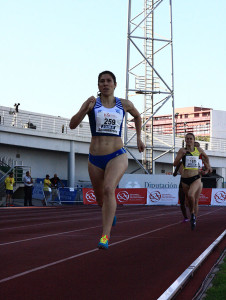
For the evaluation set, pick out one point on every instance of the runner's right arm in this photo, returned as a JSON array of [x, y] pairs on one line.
[[85, 108]]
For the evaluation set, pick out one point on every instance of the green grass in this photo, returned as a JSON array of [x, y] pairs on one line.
[[218, 290]]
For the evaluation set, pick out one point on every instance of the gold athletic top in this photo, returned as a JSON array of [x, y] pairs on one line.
[[9, 182], [191, 160]]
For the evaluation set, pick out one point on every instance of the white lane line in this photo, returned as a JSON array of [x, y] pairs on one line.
[[46, 266], [49, 217], [62, 213], [75, 220], [48, 235], [76, 230], [81, 254], [52, 215], [180, 281], [48, 223]]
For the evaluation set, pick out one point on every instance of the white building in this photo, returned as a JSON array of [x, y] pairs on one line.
[[47, 145]]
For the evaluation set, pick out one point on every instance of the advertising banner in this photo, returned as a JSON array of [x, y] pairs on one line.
[[149, 181], [162, 196], [37, 192], [131, 196], [67, 195], [123, 196], [88, 196], [205, 197], [218, 197]]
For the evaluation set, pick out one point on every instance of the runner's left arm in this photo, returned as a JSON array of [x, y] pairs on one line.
[[205, 160], [130, 108]]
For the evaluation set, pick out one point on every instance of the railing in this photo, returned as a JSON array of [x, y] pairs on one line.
[[58, 125], [4, 171], [9, 161], [18, 174], [39, 122]]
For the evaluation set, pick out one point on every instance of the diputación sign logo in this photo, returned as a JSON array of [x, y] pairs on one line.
[[155, 196], [90, 197], [123, 196], [220, 197]]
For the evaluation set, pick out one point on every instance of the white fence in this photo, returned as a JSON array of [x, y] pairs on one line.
[[51, 124]]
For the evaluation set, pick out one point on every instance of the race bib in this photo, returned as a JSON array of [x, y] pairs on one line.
[[108, 122], [191, 162], [200, 164]]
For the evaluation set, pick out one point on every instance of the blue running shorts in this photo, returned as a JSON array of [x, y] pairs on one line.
[[101, 161]]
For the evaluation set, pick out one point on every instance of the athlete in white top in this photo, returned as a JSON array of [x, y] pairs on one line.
[[107, 159]]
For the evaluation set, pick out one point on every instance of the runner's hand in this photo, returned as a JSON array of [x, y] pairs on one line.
[[89, 103], [183, 151], [140, 145], [208, 170]]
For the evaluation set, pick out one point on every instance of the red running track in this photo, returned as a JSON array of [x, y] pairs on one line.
[[51, 253]]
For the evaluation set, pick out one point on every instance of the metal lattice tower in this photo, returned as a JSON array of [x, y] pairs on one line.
[[148, 82], [150, 68]]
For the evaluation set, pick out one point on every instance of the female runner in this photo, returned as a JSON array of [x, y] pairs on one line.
[[190, 178], [107, 157], [181, 195]]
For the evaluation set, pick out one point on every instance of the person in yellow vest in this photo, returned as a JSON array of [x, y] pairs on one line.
[[190, 177], [47, 189], [9, 183]]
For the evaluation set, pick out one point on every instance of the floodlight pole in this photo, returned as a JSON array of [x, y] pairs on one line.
[[127, 68], [148, 82]]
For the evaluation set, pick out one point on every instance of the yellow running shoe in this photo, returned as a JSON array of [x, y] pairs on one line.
[[103, 244]]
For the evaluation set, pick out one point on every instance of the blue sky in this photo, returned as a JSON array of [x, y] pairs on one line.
[[53, 50]]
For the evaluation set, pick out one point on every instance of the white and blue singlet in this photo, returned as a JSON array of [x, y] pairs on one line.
[[106, 121]]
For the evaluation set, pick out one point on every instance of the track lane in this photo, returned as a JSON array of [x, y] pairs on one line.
[[154, 256]]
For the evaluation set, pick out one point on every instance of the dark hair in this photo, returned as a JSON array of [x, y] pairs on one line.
[[190, 133], [109, 73], [197, 144]]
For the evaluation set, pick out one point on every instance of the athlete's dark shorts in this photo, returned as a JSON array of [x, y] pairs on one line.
[[190, 180], [9, 192], [101, 161], [181, 194]]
